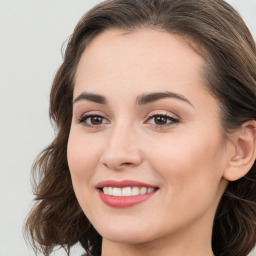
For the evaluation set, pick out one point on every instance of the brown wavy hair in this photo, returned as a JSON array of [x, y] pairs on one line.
[[224, 41]]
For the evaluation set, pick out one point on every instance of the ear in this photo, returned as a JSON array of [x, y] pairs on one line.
[[243, 154]]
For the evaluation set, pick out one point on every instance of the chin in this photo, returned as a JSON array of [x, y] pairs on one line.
[[131, 238], [129, 234]]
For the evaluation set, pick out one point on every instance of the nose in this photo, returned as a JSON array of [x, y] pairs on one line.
[[122, 149]]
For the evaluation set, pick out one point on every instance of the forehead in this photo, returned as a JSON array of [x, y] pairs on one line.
[[140, 57]]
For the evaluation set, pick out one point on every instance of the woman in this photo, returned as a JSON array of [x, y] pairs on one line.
[[155, 110]]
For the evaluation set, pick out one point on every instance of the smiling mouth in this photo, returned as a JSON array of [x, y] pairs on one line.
[[127, 191]]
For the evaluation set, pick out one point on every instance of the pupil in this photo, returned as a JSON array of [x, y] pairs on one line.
[[160, 120], [96, 120]]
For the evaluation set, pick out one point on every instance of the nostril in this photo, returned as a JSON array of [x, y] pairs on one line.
[[119, 161], [127, 163]]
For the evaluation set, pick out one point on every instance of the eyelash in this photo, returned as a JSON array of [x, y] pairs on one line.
[[168, 118], [82, 120]]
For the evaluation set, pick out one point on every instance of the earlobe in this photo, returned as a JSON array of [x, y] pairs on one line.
[[243, 155]]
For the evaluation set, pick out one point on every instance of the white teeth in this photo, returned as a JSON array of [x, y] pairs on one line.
[[105, 190], [150, 190], [117, 191], [110, 191], [143, 191], [127, 191], [135, 191]]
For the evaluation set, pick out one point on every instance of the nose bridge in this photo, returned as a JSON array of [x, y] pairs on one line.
[[122, 135], [121, 148]]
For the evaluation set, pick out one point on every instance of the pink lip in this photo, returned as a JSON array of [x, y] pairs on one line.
[[123, 201]]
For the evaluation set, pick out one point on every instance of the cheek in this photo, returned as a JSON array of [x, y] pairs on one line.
[[83, 158], [191, 172], [189, 164]]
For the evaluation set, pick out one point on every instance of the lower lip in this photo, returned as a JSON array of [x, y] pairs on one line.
[[123, 201]]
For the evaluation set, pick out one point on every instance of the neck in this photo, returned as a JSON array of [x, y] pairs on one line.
[[177, 245]]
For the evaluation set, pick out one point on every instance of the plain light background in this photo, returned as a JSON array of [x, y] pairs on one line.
[[31, 35]]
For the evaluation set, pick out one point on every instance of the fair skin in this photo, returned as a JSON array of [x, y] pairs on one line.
[[184, 155]]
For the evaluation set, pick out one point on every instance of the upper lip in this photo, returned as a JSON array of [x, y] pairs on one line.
[[123, 183]]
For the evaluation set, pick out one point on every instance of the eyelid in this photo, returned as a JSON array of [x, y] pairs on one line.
[[84, 116], [174, 119], [163, 113], [94, 113]]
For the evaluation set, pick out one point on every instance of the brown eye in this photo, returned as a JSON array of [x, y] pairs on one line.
[[162, 120], [96, 120], [93, 120]]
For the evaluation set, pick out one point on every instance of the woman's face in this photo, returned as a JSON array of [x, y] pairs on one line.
[[144, 122]]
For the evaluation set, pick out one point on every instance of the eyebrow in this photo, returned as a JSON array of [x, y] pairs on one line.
[[153, 97], [91, 97], [141, 100]]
